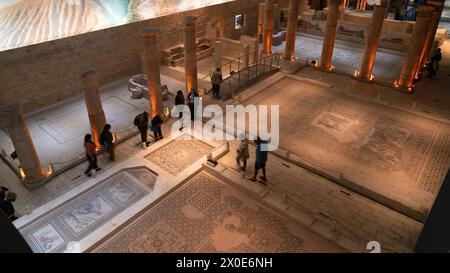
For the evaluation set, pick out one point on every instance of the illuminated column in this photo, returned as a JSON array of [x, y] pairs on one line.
[[417, 40], [190, 54], [289, 51], [151, 62], [268, 27], [330, 34], [358, 4], [428, 46], [246, 56], [97, 119], [372, 41], [218, 53], [260, 20], [364, 3], [31, 169]]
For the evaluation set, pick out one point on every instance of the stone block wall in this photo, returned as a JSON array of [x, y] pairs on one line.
[[43, 74]]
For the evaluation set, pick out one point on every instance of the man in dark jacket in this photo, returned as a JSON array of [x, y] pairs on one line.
[[156, 127], [6, 203], [107, 140], [260, 161], [141, 122]]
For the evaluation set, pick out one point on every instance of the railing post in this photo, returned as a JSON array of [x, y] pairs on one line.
[[264, 65], [239, 71], [271, 63]]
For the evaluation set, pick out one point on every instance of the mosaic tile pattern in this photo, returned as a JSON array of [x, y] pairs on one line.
[[391, 152], [208, 215], [78, 217], [179, 154], [75, 124]]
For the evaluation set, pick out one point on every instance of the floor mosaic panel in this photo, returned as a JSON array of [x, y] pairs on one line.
[[398, 154], [75, 124], [77, 218], [209, 215], [179, 154]]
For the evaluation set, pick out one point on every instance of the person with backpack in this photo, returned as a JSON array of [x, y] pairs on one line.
[[216, 80], [89, 148], [141, 122], [156, 127], [107, 140]]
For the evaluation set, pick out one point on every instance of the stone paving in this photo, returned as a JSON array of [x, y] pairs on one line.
[[208, 215], [333, 211], [347, 56]]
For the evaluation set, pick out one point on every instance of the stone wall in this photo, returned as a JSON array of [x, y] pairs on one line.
[[43, 74]]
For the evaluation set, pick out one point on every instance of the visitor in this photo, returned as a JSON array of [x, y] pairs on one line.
[[179, 101], [191, 98], [433, 66], [260, 161], [156, 127], [397, 15], [89, 147], [6, 199], [107, 140], [216, 80], [242, 154], [141, 122]]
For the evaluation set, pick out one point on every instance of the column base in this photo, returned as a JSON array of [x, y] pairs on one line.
[[358, 77], [32, 183], [403, 88]]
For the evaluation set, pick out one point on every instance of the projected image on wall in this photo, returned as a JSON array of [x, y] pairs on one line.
[[26, 22]]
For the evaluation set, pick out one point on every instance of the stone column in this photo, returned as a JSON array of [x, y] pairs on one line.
[[330, 34], [268, 27], [151, 62], [261, 9], [190, 53], [289, 51], [416, 43], [218, 53], [97, 119], [246, 51], [32, 171], [372, 40], [434, 24]]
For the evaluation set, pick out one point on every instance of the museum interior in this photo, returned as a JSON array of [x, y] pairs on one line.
[[363, 99]]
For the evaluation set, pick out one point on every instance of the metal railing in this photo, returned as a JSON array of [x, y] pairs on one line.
[[242, 69]]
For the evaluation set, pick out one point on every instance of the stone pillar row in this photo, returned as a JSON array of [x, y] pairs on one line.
[[97, 118], [289, 52], [190, 53], [151, 62], [268, 27], [416, 44], [330, 34], [32, 173], [372, 40]]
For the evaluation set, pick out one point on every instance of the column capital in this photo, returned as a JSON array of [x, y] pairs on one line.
[[425, 11], [190, 20], [89, 79], [149, 33]]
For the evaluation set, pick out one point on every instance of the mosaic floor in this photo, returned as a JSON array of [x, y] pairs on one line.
[[209, 215], [179, 154], [80, 216], [398, 154], [74, 124]]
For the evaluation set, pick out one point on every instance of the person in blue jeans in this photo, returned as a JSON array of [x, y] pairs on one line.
[[260, 161]]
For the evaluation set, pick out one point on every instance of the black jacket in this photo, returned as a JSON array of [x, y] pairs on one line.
[[7, 207]]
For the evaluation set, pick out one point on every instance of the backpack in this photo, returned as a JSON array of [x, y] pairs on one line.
[[137, 120]]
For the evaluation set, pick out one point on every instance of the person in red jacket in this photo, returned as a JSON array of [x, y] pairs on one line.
[[89, 146]]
